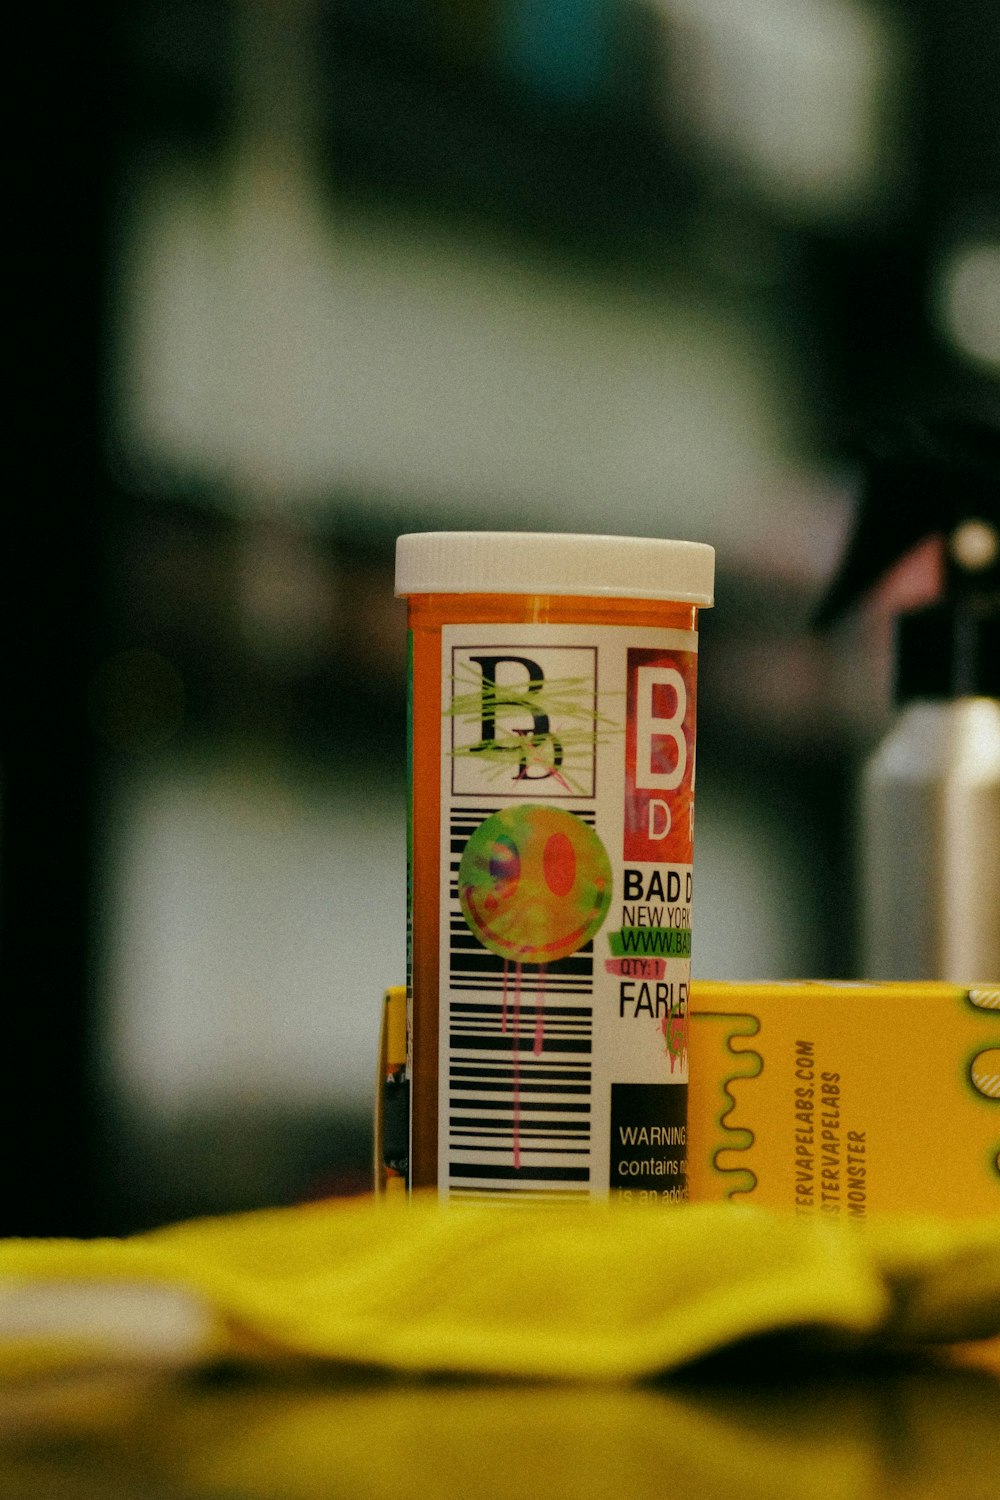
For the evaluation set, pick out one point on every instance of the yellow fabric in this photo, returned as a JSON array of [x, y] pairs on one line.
[[595, 1293]]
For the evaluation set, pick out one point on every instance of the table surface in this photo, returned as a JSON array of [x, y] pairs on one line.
[[767, 1426]]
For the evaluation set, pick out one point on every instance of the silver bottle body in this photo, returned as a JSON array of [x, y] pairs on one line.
[[931, 845]]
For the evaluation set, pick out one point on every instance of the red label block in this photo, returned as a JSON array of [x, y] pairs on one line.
[[659, 755]]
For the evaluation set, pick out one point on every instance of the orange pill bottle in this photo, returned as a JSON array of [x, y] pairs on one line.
[[553, 690]]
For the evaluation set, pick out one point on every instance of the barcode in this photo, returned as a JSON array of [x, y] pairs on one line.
[[519, 1077]]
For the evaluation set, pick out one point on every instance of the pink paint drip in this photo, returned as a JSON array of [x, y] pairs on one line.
[[516, 1039], [537, 1045], [540, 1013]]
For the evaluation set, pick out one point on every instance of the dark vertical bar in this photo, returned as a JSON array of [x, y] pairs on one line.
[[52, 557]]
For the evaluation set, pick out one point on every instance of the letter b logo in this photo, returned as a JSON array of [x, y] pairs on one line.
[[523, 716]]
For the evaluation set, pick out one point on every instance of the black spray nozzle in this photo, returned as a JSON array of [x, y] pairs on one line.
[[940, 479], [948, 651]]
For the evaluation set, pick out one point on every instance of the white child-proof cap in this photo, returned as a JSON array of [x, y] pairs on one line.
[[546, 562]]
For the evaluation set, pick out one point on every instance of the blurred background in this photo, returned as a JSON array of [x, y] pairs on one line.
[[308, 273]]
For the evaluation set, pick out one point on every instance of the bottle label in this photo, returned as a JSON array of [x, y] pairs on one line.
[[567, 818]]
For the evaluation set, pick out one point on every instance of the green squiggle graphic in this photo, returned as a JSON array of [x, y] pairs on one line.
[[746, 1063]]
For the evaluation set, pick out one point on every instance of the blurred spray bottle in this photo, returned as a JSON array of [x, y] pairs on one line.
[[930, 796]]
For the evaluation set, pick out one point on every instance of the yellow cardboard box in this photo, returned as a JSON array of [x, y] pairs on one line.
[[841, 1099], [846, 1099]]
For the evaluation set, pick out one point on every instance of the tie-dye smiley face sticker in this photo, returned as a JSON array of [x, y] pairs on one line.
[[534, 883]]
